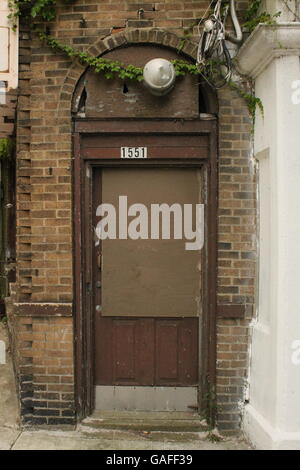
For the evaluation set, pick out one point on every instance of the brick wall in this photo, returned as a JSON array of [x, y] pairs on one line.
[[44, 193], [236, 254], [8, 99], [43, 360]]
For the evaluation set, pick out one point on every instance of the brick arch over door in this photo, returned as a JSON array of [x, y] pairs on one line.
[[131, 37]]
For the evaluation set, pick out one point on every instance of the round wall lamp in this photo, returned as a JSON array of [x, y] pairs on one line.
[[159, 76]]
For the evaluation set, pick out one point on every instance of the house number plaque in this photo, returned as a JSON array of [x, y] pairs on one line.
[[133, 152]]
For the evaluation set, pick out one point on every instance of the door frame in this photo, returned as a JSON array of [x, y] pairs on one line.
[[83, 315]]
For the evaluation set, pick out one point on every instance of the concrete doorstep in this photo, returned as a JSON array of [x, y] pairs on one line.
[[103, 432]]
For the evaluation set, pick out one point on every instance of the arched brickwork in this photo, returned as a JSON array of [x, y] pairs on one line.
[[130, 37]]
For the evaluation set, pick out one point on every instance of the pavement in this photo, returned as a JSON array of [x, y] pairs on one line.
[[68, 440], [12, 437], [9, 414]]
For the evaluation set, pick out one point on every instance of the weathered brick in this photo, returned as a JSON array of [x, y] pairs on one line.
[[44, 193]]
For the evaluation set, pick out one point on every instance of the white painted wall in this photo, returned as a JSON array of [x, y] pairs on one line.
[[274, 379], [2, 352], [272, 418], [8, 49], [288, 9]]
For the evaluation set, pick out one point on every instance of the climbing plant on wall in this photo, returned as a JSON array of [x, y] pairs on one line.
[[5, 148], [254, 16], [45, 10]]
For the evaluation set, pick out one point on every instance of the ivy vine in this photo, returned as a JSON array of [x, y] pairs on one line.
[[112, 68], [6, 147], [254, 16], [252, 101], [295, 12], [46, 10]]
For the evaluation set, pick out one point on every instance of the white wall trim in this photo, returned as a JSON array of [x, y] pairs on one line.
[[266, 43], [11, 50], [264, 437]]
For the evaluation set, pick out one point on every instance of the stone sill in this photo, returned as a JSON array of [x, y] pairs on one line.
[[36, 309]]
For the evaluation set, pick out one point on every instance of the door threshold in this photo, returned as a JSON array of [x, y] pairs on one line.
[[159, 399]]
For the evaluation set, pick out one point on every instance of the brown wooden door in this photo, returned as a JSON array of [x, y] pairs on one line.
[[147, 296]]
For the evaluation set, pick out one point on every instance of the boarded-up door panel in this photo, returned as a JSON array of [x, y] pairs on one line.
[[150, 278], [146, 332]]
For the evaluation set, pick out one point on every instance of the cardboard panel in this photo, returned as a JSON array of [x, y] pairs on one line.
[[151, 278]]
